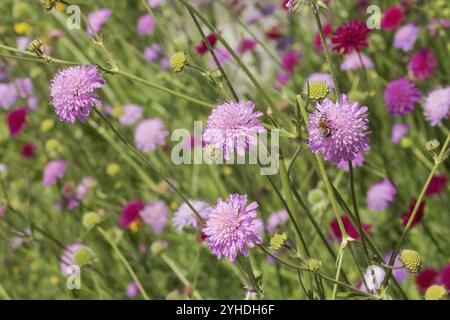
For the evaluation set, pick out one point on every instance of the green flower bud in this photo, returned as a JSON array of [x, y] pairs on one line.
[[432, 145], [48, 4], [83, 256], [411, 260], [35, 46], [318, 90], [91, 220], [316, 196], [278, 241], [157, 247], [314, 264], [178, 61], [435, 292]]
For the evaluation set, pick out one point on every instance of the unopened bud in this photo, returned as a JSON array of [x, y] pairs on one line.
[[278, 241], [411, 260], [178, 61], [432, 145]]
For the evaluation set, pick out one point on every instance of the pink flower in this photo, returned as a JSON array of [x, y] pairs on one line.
[[130, 212], [246, 45], [400, 96], [53, 171], [351, 36], [155, 215], [150, 133], [422, 64], [145, 24], [392, 18], [290, 60], [327, 31], [97, 19]]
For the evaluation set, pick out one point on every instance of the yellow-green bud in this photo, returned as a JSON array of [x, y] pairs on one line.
[[435, 292], [48, 4], [35, 45], [316, 196], [314, 264], [157, 247], [178, 61], [83, 256], [215, 77], [278, 240], [318, 90], [112, 169], [47, 124], [432, 145], [411, 260], [406, 143], [91, 219]]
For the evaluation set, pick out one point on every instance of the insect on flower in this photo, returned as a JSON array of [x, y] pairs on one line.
[[323, 127]]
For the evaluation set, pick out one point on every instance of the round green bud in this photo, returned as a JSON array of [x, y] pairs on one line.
[[432, 145], [35, 45], [435, 292], [178, 61], [411, 260], [157, 247], [91, 220], [318, 90], [83, 256], [314, 264], [278, 241], [316, 196]]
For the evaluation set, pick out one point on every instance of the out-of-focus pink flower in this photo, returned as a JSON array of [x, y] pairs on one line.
[[202, 48], [145, 24], [246, 45], [437, 185], [16, 121], [327, 31], [422, 64], [426, 278], [97, 19], [392, 18], [290, 60]]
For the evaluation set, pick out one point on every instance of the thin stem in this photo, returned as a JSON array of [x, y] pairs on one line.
[[438, 160], [125, 262]]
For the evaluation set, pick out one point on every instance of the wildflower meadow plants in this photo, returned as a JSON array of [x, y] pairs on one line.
[[94, 205]]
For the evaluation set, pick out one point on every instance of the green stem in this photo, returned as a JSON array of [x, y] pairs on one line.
[[124, 261]]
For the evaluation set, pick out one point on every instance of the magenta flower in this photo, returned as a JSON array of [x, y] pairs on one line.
[[437, 105], [380, 195], [132, 290], [246, 45], [350, 36], [145, 24], [222, 56], [276, 220], [392, 18], [97, 19], [400, 96], [338, 130], [290, 60], [155, 215], [8, 95], [53, 171], [422, 64], [130, 212], [185, 217], [132, 113], [71, 92], [233, 125], [16, 121], [231, 227], [352, 62], [150, 133], [406, 36], [399, 130], [68, 257]]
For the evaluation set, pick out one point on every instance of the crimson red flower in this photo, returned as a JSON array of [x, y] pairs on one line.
[[16, 120], [392, 18], [426, 278], [202, 48], [419, 214], [445, 276], [130, 212], [246, 45], [283, 4], [28, 150], [437, 185], [327, 30], [351, 230], [274, 33], [350, 36]]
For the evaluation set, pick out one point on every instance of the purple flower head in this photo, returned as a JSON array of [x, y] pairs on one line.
[[374, 277], [231, 227], [437, 105], [290, 5], [97, 19], [380, 195], [399, 130], [282, 79], [153, 52], [400, 96], [150, 133], [53, 171], [185, 217], [71, 92], [352, 62], [84, 187], [277, 219], [33, 102], [20, 238], [68, 257], [422, 64], [155, 215], [399, 274], [132, 113], [406, 36], [24, 87], [290, 60], [8, 95], [324, 77], [222, 55], [145, 24], [22, 43], [356, 163], [233, 125], [132, 290], [338, 130]]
